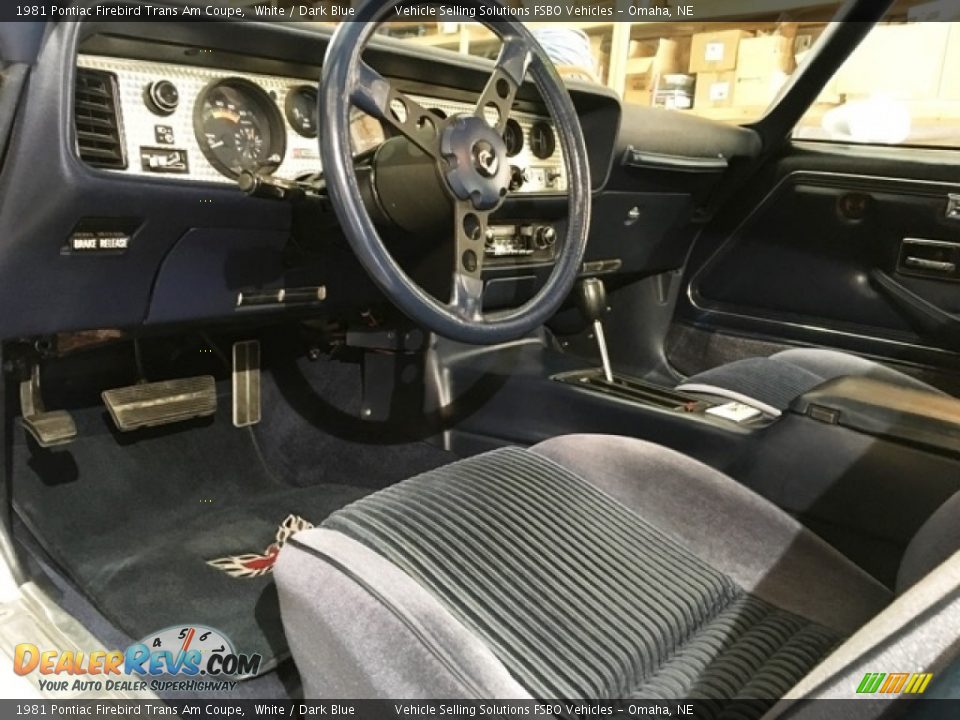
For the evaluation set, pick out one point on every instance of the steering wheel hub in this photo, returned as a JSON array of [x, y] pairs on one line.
[[485, 159], [473, 151]]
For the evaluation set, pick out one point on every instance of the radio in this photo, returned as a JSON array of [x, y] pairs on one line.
[[526, 240]]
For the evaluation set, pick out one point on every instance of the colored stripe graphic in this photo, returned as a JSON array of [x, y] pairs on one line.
[[918, 683], [894, 683]]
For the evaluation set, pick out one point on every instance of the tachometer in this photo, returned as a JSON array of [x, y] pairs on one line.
[[301, 110], [239, 127]]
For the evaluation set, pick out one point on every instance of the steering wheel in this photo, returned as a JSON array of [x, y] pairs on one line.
[[470, 156]]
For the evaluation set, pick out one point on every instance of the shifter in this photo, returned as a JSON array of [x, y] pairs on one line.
[[592, 298]]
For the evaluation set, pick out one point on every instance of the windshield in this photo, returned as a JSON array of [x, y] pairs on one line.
[[725, 65]]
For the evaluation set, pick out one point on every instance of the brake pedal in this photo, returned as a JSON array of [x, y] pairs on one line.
[[48, 428], [246, 383], [161, 403]]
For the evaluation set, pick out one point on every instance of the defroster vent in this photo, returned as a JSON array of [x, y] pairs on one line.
[[97, 118]]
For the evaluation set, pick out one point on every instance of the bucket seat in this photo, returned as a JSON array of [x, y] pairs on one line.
[[600, 567]]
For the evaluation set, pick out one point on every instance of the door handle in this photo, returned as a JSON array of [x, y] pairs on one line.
[[929, 258], [925, 264]]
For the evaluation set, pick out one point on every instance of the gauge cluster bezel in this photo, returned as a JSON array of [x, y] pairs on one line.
[[143, 126]]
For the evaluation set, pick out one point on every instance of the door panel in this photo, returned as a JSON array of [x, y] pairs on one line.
[[820, 258]]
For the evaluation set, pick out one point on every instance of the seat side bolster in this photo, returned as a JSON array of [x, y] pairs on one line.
[[360, 627]]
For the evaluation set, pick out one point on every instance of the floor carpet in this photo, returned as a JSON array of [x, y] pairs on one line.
[[134, 519]]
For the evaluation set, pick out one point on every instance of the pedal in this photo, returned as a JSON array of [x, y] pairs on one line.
[[48, 428], [161, 403], [246, 383]]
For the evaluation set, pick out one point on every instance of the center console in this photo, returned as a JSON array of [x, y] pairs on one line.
[[880, 409], [860, 462]]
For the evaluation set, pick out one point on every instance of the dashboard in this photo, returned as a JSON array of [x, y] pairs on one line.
[[209, 124], [119, 179]]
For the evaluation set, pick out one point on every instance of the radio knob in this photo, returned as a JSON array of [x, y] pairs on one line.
[[546, 236], [162, 97], [518, 176], [489, 236]]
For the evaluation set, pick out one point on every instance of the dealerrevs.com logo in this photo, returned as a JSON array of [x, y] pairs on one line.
[[186, 657]]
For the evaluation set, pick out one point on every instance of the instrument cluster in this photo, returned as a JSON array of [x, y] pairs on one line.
[[205, 124]]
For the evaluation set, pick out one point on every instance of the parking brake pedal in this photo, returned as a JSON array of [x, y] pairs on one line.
[[161, 403], [48, 428], [246, 383]]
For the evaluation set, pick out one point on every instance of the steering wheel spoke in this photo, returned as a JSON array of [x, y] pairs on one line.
[[470, 227], [373, 93], [501, 88]]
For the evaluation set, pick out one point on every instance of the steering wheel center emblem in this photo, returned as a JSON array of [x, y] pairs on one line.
[[485, 159]]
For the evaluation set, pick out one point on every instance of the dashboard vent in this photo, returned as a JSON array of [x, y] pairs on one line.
[[97, 118]]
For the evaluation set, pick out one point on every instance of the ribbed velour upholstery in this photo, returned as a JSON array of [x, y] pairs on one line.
[[779, 379], [771, 381], [576, 594]]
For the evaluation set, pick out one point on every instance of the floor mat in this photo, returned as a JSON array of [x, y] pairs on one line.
[[134, 520], [312, 429]]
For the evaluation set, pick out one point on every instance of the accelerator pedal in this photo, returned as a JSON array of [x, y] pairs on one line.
[[48, 427], [161, 403], [246, 383]]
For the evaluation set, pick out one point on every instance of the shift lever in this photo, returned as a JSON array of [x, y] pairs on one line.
[[592, 298]]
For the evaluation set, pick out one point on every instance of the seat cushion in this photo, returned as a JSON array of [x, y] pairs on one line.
[[771, 383], [573, 588]]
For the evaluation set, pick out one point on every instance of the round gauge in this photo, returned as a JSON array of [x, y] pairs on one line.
[[513, 137], [239, 128], [542, 140], [301, 110]]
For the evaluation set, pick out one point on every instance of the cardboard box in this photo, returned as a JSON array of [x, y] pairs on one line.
[[950, 81], [715, 51], [654, 56], [638, 91], [644, 72], [765, 55], [758, 90], [714, 90], [763, 65], [901, 62]]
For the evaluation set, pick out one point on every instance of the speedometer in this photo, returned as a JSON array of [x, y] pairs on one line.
[[238, 127]]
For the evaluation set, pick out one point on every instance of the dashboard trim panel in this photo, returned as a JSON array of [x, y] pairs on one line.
[[143, 128]]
